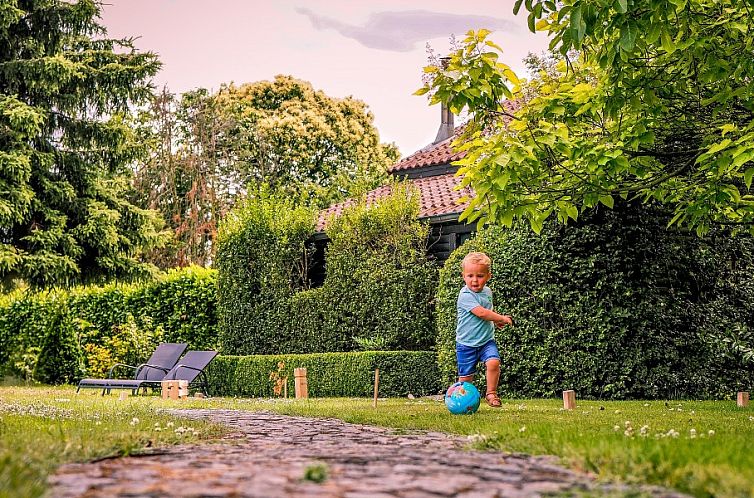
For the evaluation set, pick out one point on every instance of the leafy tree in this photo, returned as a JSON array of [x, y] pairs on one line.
[[651, 99], [287, 134], [185, 177], [66, 144], [209, 148]]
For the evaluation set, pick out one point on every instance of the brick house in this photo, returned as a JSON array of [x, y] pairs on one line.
[[431, 172]]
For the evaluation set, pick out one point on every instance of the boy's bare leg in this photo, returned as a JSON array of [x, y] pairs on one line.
[[493, 377]]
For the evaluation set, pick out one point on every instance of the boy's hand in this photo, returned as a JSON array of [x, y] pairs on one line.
[[507, 320]]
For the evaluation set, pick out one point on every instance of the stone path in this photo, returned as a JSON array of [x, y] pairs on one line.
[[267, 455]]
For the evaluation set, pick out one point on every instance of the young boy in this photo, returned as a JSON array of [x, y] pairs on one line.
[[475, 337]]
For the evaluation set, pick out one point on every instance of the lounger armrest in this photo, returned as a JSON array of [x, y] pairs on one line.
[[180, 365], [140, 367], [110, 372]]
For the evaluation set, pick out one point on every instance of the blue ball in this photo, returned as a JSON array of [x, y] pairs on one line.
[[462, 398]]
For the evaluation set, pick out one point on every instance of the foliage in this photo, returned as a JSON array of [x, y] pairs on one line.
[[66, 145], [104, 325], [615, 306], [187, 177], [60, 360], [657, 106], [328, 374], [378, 288], [209, 148], [287, 134]]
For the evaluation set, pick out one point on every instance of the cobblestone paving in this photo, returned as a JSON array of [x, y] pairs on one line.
[[267, 455]]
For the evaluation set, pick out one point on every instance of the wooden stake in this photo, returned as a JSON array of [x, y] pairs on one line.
[[742, 399], [299, 383], [124, 395], [285, 387], [376, 385], [569, 399]]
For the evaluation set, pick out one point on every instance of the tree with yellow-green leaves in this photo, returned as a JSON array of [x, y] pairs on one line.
[[66, 146], [652, 100], [211, 149]]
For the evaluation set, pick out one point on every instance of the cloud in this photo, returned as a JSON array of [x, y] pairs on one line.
[[400, 31]]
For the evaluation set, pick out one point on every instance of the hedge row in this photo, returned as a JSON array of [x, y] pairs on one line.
[[98, 326], [615, 306], [328, 374], [377, 294]]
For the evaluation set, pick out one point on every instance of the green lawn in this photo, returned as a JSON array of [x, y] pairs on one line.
[[635, 441]]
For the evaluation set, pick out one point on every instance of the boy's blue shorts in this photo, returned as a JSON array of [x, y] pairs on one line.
[[469, 356]]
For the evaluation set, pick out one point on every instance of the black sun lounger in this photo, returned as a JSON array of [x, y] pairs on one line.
[[190, 368], [156, 367]]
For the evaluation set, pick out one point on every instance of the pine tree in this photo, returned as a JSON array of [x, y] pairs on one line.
[[66, 146]]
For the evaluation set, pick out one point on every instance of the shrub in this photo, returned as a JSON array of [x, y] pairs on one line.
[[112, 323], [328, 374], [615, 306], [60, 358], [378, 289]]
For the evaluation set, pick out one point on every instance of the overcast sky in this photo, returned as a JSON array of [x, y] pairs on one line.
[[373, 51]]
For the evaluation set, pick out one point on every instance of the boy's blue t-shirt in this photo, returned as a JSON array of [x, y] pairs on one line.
[[470, 329]]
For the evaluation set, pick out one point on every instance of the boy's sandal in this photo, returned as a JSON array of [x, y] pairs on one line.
[[493, 400]]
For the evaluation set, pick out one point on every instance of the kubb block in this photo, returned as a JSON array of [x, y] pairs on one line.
[[569, 399], [175, 389], [299, 383], [742, 399]]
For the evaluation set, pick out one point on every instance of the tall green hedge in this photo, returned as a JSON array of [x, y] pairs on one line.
[[377, 294], [615, 306], [328, 374], [95, 326]]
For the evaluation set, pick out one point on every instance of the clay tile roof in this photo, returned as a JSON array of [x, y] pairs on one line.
[[437, 197], [431, 155]]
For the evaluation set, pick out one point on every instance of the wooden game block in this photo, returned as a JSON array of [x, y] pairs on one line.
[[569, 399], [174, 389]]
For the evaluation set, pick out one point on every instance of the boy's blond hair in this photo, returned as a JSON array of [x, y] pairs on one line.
[[477, 258]]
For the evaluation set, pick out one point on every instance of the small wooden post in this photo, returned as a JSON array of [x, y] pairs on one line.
[[285, 387], [165, 389], [124, 395], [174, 389], [376, 385], [569, 399], [299, 383], [742, 399]]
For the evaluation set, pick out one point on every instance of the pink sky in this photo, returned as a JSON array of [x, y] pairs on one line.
[[373, 51]]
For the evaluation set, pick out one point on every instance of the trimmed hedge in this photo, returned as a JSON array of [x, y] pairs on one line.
[[615, 306], [328, 374], [377, 295], [103, 325]]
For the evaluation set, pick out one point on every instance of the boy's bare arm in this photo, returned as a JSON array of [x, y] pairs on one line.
[[491, 316]]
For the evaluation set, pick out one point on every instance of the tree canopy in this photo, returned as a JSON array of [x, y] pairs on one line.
[[649, 100], [66, 145], [208, 149]]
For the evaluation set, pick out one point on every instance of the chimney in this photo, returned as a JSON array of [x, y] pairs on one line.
[[446, 116]]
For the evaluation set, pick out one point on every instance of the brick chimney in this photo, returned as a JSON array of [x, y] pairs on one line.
[[446, 116]]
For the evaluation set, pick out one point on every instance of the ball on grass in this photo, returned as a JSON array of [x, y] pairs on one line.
[[462, 398]]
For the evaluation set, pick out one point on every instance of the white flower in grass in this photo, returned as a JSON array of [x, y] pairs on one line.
[[616, 428], [692, 433], [672, 433], [751, 418], [169, 424], [643, 432], [134, 421], [522, 429], [98, 423], [646, 405], [617, 411], [710, 433]]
